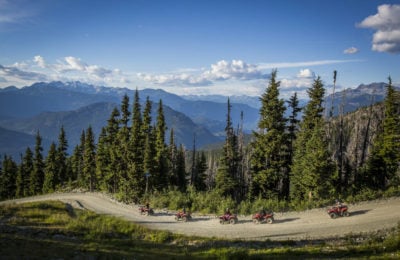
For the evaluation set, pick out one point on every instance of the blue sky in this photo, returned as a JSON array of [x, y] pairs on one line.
[[200, 47]]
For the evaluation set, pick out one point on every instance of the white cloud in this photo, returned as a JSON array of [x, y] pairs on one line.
[[351, 50], [68, 69], [12, 73], [39, 61], [221, 71], [279, 65], [306, 73], [387, 25], [303, 80]]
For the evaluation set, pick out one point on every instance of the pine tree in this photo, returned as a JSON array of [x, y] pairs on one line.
[[149, 159], [37, 174], [8, 177], [135, 187], [181, 169], [172, 160], [112, 174], [161, 179], [201, 168], [24, 171], [383, 163], [89, 160], [225, 180], [121, 147], [312, 169], [61, 156], [51, 169], [391, 134], [76, 161], [103, 163], [292, 129], [269, 157], [125, 111]]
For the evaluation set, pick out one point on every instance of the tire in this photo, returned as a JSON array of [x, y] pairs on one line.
[[176, 218], [346, 214], [269, 220], [333, 215], [256, 221], [221, 221], [146, 213], [184, 219], [232, 221]]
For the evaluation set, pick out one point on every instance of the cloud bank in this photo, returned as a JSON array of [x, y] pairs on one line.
[[220, 71], [387, 25]]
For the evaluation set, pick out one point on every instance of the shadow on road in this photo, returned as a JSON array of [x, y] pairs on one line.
[[359, 212], [242, 221], [285, 220]]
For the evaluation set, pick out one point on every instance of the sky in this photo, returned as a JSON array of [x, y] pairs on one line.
[[200, 47]]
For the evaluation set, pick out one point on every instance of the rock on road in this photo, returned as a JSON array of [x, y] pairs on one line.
[[311, 224]]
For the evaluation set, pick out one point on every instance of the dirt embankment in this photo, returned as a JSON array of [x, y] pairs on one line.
[[311, 224]]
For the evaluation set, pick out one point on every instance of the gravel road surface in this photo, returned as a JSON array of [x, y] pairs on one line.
[[312, 224]]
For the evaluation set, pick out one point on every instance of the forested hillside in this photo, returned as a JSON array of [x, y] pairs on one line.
[[289, 159]]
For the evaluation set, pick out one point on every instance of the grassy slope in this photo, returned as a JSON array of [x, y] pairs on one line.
[[55, 230]]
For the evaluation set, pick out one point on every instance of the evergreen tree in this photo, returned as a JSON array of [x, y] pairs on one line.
[[391, 135], [89, 160], [312, 169], [201, 168], [292, 129], [62, 174], [161, 179], [51, 169], [8, 178], [37, 174], [103, 163], [225, 180], [149, 159], [384, 161], [113, 176], [123, 136], [172, 159], [125, 111], [181, 169], [269, 160], [293, 122], [76, 161], [24, 171], [135, 187]]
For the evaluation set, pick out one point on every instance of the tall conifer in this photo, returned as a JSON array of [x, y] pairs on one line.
[[269, 156]]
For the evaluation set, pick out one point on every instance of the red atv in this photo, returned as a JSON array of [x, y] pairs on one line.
[[228, 218], [338, 211], [143, 210], [260, 217], [183, 216]]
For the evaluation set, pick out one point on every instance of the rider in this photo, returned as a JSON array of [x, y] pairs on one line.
[[262, 212], [338, 203], [227, 212]]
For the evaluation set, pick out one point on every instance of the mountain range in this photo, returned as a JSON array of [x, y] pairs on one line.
[[45, 107]]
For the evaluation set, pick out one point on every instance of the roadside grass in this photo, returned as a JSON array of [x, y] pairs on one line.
[[52, 229]]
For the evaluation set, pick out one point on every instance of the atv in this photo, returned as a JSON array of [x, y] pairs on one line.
[[263, 217], [338, 211], [228, 218], [143, 210], [183, 216]]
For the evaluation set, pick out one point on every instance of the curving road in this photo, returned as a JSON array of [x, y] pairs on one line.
[[311, 224]]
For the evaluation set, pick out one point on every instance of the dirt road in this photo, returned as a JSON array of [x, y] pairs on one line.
[[312, 224]]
